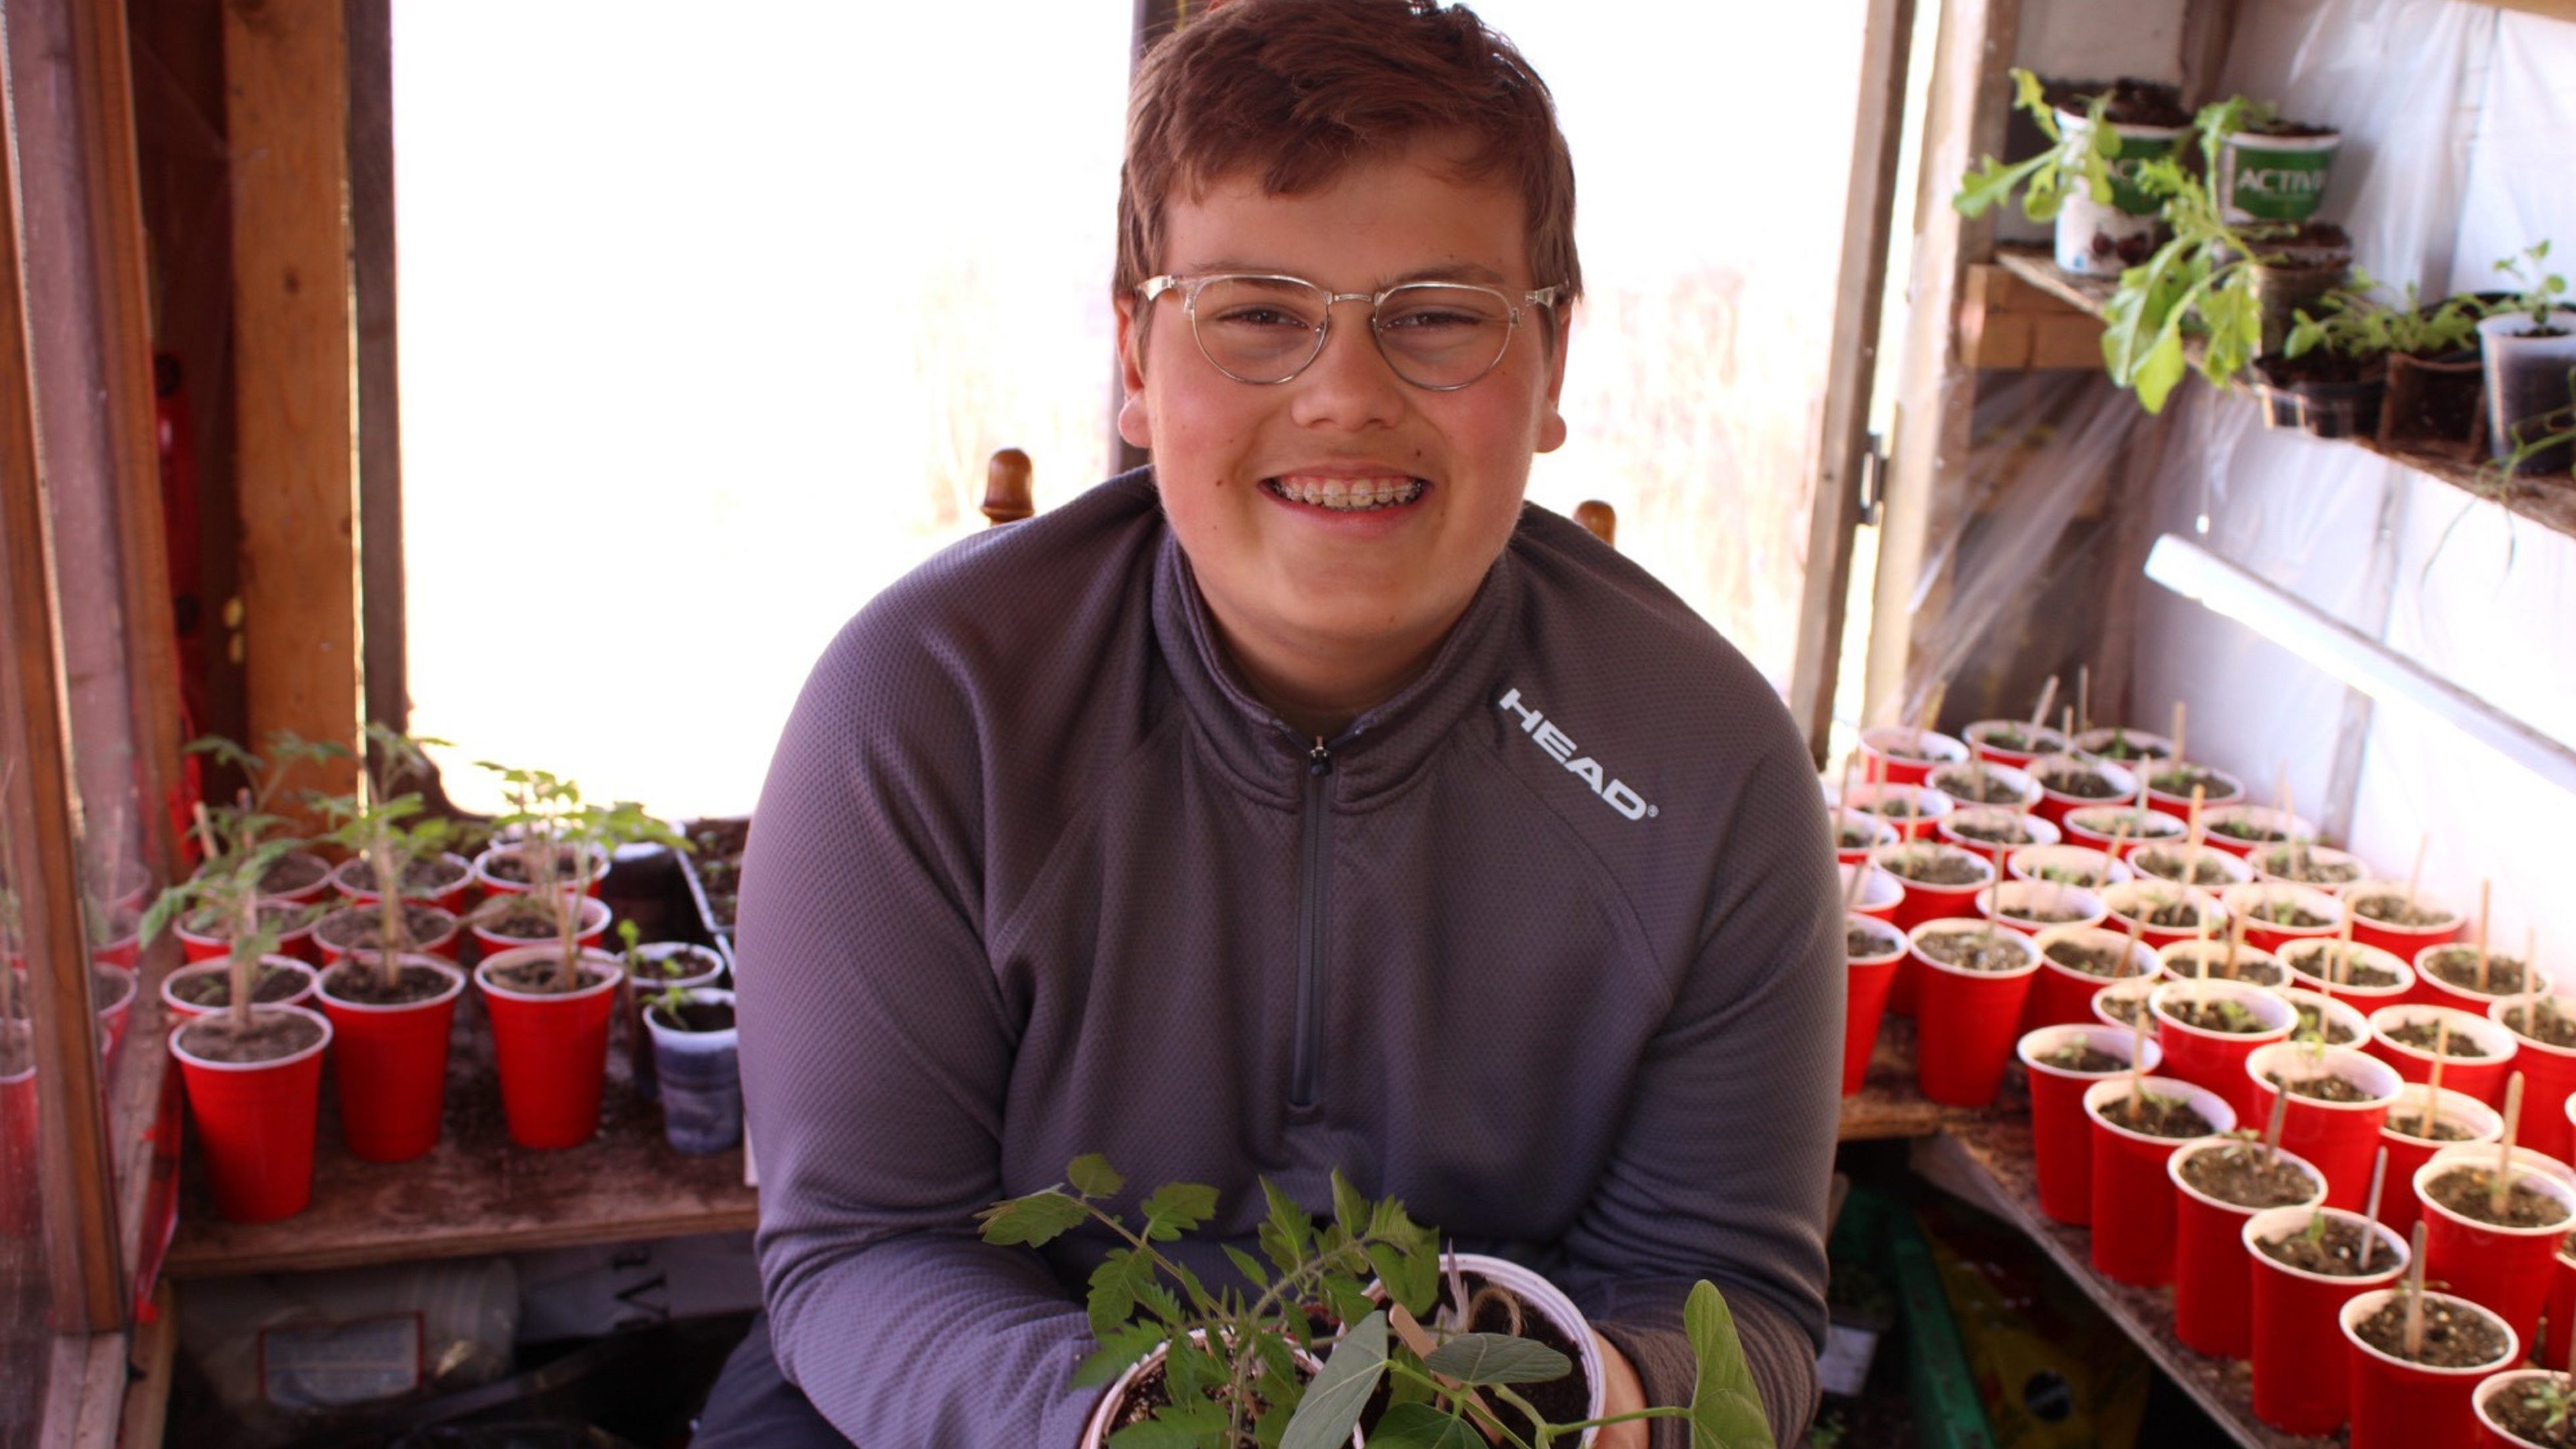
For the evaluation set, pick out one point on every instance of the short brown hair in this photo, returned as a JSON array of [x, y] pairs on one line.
[[1296, 91]]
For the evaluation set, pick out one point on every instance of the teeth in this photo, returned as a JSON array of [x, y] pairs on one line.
[[1348, 495]]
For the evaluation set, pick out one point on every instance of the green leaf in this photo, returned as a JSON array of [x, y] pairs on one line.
[[1725, 1407], [1331, 1408], [1248, 1265], [1036, 1220], [1192, 1371], [1196, 1424], [2162, 369], [1117, 1350], [1288, 1234], [1498, 1358], [1092, 1176], [1420, 1426], [1350, 1210], [1412, 1278], [1122, 1274], [1177, 1207]]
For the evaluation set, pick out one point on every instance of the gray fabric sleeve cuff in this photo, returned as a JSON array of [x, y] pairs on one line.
[[1782, 1359]]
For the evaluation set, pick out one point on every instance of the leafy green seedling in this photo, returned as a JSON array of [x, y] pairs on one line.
[[389, 827], [556, 825], [2073, 159]]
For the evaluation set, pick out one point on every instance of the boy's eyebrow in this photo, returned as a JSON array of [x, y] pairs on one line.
[[1453, 272]]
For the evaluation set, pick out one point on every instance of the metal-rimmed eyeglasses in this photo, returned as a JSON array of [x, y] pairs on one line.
[[1262, 329]]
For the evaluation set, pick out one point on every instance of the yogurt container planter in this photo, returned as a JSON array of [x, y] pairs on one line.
[[2097, 239], [2220, 1183], [2209, 1028], [2544, 1033], [2275, 174], [2377, 906], [1982, 782], [594, 926], [2398, 1404], [1109, 1415], [434, 929], [2198, 960], [2080, 865], [391, 1068], [1940, 881], [2321, 1017], [442, 880], [2133, 1198], [1880, 893], [2364, 975], [255, 1117], [1904, 755], [2064, 1062], [206, 987], [2276, 913], [1966, 1014], [2209, 870], [502, 870], [2448, 975], [2071, 782], [652, 968], [2099, 826], [2124, 745], [1909, 808], [1873, 973], [2301, 863], [2412, 1140], [2299, 1383], [2242, 829], [2169, 787], [2498, 1401], [2526, 374], [2501, 1266], [694, 1051], [1857, 833], [2033, 906], [2170, 913], [2011, 742], [1993, 831], [551, 1046], [2074, 963], [2339, 1097], [2481, 1053]]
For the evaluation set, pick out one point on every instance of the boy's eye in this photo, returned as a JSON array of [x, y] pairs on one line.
[[1258, 317]]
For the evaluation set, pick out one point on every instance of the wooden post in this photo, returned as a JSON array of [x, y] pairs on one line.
[[295, 392], [1600, 519], [1009, 495]]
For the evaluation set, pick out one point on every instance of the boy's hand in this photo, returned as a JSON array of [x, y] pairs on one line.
[[1621, 1393]]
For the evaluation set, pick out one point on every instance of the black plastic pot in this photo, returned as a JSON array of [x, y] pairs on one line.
[[2325, 409]]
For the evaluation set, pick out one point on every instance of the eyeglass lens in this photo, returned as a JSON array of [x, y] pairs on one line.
[[1266, 329]]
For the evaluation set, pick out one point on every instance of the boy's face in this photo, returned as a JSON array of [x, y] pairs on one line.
[[1298, 582]]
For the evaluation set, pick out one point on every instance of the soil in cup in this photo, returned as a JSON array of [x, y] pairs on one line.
[[2410, 1125], [2324, 1087], [2458, 966], [2183, 779], [1976, 787], [2157, 1116], [1149, 1391], [513, 867], [2133, 102], [291, 873], [358, 927], [2289, 862], [2239, 827], [2424, 1035], [2286, 912], [362, 983], [2328, 1247], [536, 978], [2546, 1024], [2080, 1055], [1918, 755], [419, 877], [2541, 1411], [270, 1036], [2104, 961], [2334, 1033], [2392, 910], [2008, 831], [2131, 1010], [2121, 747], [2454, 1336], [2240, 1175], [521, 918], [2176, 912], [1894, 807], [1977, 950], [2320, 963], [2233, 1017], [691, 961], [2042, 915], [2141, 824], [2464, 1191], [694, 1015], [1858, 943], [2208, 870], [2082, 784], [2020, 742], [1934, 867], [213, 991], [2248, 969]]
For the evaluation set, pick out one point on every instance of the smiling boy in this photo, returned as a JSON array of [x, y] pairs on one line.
[[1302, 802]]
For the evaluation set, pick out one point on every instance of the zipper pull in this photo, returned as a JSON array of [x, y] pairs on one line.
[[1319, 760]]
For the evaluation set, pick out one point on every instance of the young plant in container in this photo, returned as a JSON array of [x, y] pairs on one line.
[[2306, 1263], [2269, 169], [2530, 1408], [2494, 1216], [1974, 979], [2121, 829], [2544, 1030], [2210, 1028], [254, 815], [2339, 1097], [2302, 862], [2530, 354], [2070, 782], [2429, 354], [2325, 1021], [2074, 963], [695, 1063], [2211, 870], [2075, 865], [2063, 1062], [1982, 782], [2137, 1122], [1873, 949], [2220, 1183], [2084, 179], [1234, 1366], [654, 967], [2444, 1046], [226, 895], [2171, 784], [2165, 913], [387, 830], [2416, 1357], [2228, 960], [1994, 831], [2012, 742]]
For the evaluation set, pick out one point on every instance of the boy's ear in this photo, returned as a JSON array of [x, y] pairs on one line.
[[1135, 414], [1551, 426]]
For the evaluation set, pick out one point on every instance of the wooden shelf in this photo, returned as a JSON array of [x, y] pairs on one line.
[[2548, 502]]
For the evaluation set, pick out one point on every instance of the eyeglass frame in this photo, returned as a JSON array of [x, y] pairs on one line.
[[1189, 285]]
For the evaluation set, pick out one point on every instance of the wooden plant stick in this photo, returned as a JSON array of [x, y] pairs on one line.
[[2370, 1209], [2137, 1067], [1409, 1331], [2083, 697], [2039, 716], [2415, 877], [2486, 897], [1842, 798], [1859, 882], [2179, 756], [2503, 1180], [2066, 728], [2199, 831], [2339, 964], [2235, 944], [2433, 1079], [2272, 1129], [205, 829], [2129, 952], [2415, 1292]]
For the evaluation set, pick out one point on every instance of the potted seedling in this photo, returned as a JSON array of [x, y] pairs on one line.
[[2071, 782], [2076, 961], [2494, 1215], [2012, 742], [2304, 862], [694, 1056], [2416, 1358], [2306, 1262], [2121, 829], [390, 836], [2086, 179], [2544, 1032], [2530, 351], [2165, 913], [2063, 1062], [2339, 1096], [2075, 865], [1984, 783], [1873, 948], [2431, 360], [2331, 374], [2473, 1053], [239, 851], [652, 968], [2529, 1408], [1236, 1366], [2274, 913], [1974, 977], [253, 1072], [2426, 1119], [2171, 783], [2269, 169], [2137, 1122], [2364, 975], [2226, 960], [2211, 870], [2220, 1183], [2325, 1020], [1904, 754], [551, 1004], [2123, 745], [255, 815], [2209, 1028]]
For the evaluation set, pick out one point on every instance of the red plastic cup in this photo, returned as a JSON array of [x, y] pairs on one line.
[[2247, 903], [2061, 1138], [2217, 788], [2198, 960], [449, 897], [1904, 755], [2561, 1312], [496, 885], [2340, 1139], [1966, 1020], [1983, 784], [113, 988], [2054, 804], [1923, 803], [1879, 832], [21, 1208], [1866, 1000], [2256, 817], [2347, 1027], [303, 895], [2299, 1383], [2171, 861], [2097, 826], [2504, 1270], [392, 1064], [2548, 1078], [2023, 905], [2482, 1077], [2276, 861], [1926, 902], [2434, 988], [2133, 1199], [2127, 900], [2129, 747], [2400, 1405], [2403, 942], [1977, 735], [2332, 966], [1968, 826], [182, 1009], [2499, 1388], [2215, 1060], [2074, 864], [1879, 896], [594, 927], [444, 943], [2132, 992], [2407, 1151], [551, 1047], [255, 1122], [2061, 995], [2213, 1281]]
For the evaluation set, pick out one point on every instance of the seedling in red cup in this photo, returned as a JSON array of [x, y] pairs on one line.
[[2075, 865], [2339, 1097], [2220, 1182], [2363, 975], [1975, 977], [2165, 913], [2227, 960], [2031, 906], [1979, 782], [2323, 1020], [2074, 963], [1906, 754], [2544, 1031], [2099, 826], [2124, 745], [2416, 1358], [2243, 829], [2424, 1120], [2062, 1062], [2494, 1216], [2473, 1054], [2306, 1263], [2302, 862], [2137, 1123], [2209, 1028], [2387, 915], [1911, 809], [1994, 831], [2526, 1408], [2171, 784], [2276, 913], [1940, 881], [1874, 948], [2210, 870], [2072, 782]]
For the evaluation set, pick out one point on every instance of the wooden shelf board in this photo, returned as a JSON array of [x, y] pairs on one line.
[[476, 1192], [2550, 503]]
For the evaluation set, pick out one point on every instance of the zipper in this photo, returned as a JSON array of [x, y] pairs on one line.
[[1314, 866]]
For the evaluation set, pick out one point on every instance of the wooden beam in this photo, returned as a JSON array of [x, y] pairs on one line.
[[295, 390], [385, 658], [2006, 323], [2554, 9], [1845, 450]]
